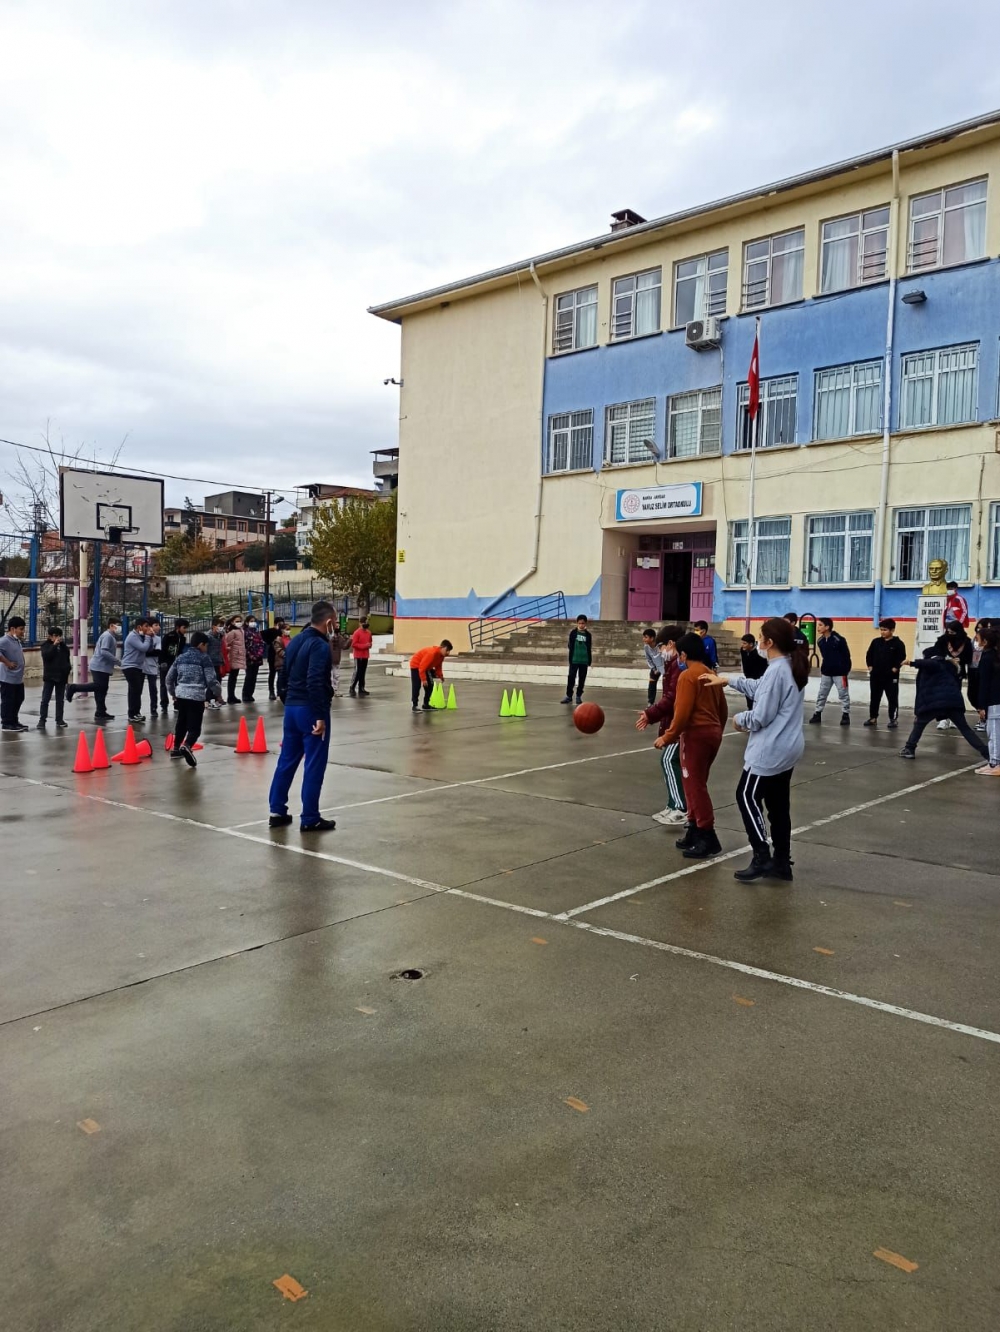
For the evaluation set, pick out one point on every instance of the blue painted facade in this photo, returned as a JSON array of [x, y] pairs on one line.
[[963, 305], [472, 606]]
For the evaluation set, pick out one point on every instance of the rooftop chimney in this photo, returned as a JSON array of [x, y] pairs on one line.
[[625, 217]]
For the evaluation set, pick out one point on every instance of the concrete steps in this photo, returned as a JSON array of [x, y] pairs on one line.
[[616, 643]]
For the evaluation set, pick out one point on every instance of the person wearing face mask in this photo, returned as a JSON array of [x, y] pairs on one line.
[[955, 646], [236, 653], [753, 661], [304, 688], [256, 650], [663, 713], [775, 745], [698, 721]]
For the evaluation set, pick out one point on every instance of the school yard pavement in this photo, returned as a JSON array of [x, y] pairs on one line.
[[625, 1092]]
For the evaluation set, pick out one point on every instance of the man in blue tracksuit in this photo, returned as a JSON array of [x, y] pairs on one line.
[[304, 688]]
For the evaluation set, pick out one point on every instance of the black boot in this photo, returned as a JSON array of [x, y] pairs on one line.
[[705, 844], [759, 868], [781, 868], [689, 838]]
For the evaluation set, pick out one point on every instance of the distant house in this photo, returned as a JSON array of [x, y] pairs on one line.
[[232, 518], [319, 495]]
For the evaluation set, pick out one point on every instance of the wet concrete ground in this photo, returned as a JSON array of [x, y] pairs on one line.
[[221, 1002]]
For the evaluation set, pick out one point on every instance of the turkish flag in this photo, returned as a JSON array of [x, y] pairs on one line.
[[753, 379]]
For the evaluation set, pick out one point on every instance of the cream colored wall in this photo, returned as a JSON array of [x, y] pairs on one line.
[[469, 437], [786, 212], [411, 635]]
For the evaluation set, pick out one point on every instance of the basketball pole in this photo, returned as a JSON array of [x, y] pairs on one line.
[[80, 613]]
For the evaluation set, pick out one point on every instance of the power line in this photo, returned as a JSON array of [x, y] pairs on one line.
[[144, 471]]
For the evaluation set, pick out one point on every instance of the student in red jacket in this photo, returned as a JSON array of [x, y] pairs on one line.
[[361, 647], [663, 713], [426, 666]]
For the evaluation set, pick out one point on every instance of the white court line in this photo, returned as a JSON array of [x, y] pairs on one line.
[[742, 850], [563, 919], [451, 786]]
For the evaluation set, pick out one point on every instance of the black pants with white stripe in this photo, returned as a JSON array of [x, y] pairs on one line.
[[775, 794]]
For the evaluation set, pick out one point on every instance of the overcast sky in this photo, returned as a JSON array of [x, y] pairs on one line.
[[200, 198]]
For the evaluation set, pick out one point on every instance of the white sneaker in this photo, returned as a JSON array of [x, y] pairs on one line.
[[670, 816], [944, 725], [980, 726]]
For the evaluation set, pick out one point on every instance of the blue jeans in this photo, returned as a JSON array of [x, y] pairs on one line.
[[298, 741]]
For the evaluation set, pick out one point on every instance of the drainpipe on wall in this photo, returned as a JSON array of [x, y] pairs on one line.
[[890, 324], [487, 610]]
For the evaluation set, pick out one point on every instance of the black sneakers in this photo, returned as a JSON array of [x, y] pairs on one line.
[[815, 719], [321, 825], [188, 757], [845, 719]]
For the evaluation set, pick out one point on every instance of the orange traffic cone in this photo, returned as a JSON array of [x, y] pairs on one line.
[[259, 738], [83, 763], [143, 749], [168, 743], [129, 755], [243, 739], [100, 756]]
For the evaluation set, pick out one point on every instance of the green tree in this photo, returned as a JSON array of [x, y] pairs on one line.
[[355, 547], [180, 555], [283, 546]]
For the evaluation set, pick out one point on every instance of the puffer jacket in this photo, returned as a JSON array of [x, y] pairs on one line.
[[256, 648], [215, 653], [191, 675], [236, 649], [939, 689]]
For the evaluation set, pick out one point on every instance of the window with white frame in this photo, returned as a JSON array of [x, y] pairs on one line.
[[939, 387], [940, 532], [628, 426], [854, 250], [635, 304], [948, 226], [575, 324], [771, 553], [570, 442], [694, 423], [848, 400], [994, 574], [700, 287], [839, 547], [772, 269], [775, 415]]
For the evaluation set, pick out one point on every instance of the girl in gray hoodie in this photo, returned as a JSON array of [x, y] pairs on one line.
[[775, 745]]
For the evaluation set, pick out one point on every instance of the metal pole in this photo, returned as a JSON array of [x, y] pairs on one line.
[[97, 590], [80, 629], [145, 584], [267, 556], [751, 534], [33, 589]]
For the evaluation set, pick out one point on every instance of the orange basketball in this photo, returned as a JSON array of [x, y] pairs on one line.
[[588, 718]]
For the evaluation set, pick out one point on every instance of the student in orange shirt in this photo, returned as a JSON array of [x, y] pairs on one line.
[[426, 666]]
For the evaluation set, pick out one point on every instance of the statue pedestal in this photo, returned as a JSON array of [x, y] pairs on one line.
[[930, 622]]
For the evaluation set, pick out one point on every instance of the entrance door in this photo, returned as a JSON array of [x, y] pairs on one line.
[[644, 590], [702, 585], [676, 603]]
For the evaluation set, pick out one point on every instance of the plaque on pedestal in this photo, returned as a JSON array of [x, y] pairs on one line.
[[930, 622]]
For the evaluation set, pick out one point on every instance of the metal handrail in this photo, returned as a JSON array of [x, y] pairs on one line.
[[484, 632]]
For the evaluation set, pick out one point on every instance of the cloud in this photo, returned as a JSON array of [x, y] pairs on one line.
[[200, 201]]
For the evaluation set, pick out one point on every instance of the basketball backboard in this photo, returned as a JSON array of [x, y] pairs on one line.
[[110, 506]]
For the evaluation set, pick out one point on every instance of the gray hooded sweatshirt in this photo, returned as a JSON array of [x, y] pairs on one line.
[[774, 724]]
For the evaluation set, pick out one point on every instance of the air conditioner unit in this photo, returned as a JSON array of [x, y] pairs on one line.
[[702, 333]]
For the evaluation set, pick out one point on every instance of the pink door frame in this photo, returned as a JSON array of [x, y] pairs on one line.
[[700, 545]]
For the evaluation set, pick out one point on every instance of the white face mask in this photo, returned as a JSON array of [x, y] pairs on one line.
[[762, 651], [667, 654]]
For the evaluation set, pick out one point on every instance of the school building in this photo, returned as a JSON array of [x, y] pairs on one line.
[[577, 422]]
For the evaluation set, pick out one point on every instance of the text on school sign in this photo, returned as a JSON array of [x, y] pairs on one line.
[[659, 502]]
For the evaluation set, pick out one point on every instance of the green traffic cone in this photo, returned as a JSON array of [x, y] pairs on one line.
[[451, 705], [505, 705], [520, 709]]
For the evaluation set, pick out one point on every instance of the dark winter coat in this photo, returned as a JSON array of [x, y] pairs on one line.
[[754, 665], [55, 662], [574, 634], [988, 687], [885, 656], [256, 648], [834, 655], [939, 690], [663, 711], [958, 649], [171, 647], [192, 675]]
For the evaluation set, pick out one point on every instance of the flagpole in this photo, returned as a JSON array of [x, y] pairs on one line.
[[751, 533]]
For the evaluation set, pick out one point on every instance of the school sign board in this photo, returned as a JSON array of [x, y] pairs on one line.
[[658, 502], [930, 622]]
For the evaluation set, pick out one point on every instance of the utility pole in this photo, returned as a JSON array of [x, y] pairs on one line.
[[267, 559]]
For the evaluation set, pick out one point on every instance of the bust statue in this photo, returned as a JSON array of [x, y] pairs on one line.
[[937, 571]]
